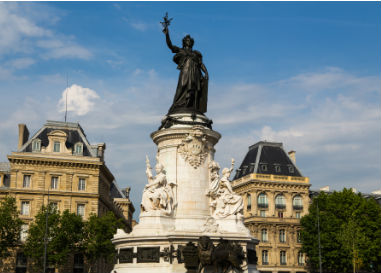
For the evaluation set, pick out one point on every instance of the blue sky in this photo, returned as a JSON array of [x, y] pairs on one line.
[[303, 73]]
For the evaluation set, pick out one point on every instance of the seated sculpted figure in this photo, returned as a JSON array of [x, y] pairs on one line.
[[226, 201], [157, 194]]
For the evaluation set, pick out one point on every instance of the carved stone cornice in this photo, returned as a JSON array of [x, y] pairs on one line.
[[53, 162], [180, 133]]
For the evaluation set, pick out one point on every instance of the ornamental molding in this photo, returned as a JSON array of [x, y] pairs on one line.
[[194, 148]]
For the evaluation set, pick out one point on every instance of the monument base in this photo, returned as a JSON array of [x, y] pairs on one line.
[[186, 205]]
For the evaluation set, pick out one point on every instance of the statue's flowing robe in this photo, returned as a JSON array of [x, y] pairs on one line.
[[192, 87]]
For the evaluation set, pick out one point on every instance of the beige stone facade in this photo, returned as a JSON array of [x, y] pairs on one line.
[[58, 165], [274, 202]]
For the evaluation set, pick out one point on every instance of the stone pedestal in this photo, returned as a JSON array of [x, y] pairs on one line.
[[185, 149]]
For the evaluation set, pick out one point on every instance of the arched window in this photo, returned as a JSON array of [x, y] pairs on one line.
[[262, 201], [297, 203], [36, 145], [264, 237], [248, 205], [280, 201], [265, 257]]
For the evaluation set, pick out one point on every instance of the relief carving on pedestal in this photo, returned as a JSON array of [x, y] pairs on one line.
[[194, 148]]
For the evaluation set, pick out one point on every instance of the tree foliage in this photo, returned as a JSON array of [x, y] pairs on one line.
[[64, 234], [98, 232], [10, 226], [350, 233], [68, 234]]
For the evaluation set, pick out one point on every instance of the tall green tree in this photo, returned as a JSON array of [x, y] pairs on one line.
[[350, 233], [64, 235], [10, 226], [98, 232]]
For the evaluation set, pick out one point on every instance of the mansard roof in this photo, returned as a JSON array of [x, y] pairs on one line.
[[267, 158], [74, 132]]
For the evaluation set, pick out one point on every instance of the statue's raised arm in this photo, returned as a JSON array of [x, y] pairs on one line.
[[166, 22], [192, 88]]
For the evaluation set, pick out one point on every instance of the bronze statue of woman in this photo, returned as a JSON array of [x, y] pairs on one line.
[[192, 88]]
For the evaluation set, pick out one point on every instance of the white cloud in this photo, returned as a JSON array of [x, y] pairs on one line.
[[21, 63], [136, 24], [336, 134], [21, 32], [80, 100]]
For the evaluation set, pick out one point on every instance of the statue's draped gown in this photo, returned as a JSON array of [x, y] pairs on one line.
[[190, 85]]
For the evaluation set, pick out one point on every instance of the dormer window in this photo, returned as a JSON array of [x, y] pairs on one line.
[[291, 169], [277, 168], [36, 145], [57, 147], [264, 167], [78, 148]]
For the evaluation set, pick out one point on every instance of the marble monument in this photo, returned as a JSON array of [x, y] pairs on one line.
[[190, 220]]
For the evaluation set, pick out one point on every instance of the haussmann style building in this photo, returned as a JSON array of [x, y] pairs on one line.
[[59, 164], [276, 196]]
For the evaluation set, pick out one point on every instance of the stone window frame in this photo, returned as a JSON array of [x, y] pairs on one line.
[[262, 213], [37, 142], [56, 185], [297, 202], [283, 257], [277, 168], [80, 204], [264, 235], [25, 202], [58, 143], [80, 188], [24, 181], [262, 205], [24, 232], [301, 258], [76, 145], [282, 235], [299, 236], [264, 167], [280, 201], [265, 257]]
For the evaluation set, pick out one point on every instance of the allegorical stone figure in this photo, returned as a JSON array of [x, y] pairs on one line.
[[225, 202], [192, 88], [157, 194]]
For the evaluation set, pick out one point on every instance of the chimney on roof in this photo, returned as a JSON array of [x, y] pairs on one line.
[[101, 150], [23, 135], [291, 154]]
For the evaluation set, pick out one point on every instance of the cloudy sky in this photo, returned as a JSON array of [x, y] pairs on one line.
[[305, 74]]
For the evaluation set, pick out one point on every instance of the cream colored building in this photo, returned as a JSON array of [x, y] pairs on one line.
[[276, 196], [58, 165]]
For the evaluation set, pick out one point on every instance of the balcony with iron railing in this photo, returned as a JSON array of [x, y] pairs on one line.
[[297, 207], [280, 206], [263, 205]]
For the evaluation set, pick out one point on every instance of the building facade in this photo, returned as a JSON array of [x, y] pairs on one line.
[[58, 165], [276, 196]]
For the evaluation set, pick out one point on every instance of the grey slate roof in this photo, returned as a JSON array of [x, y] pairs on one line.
[[267, 158], [74, 133]]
